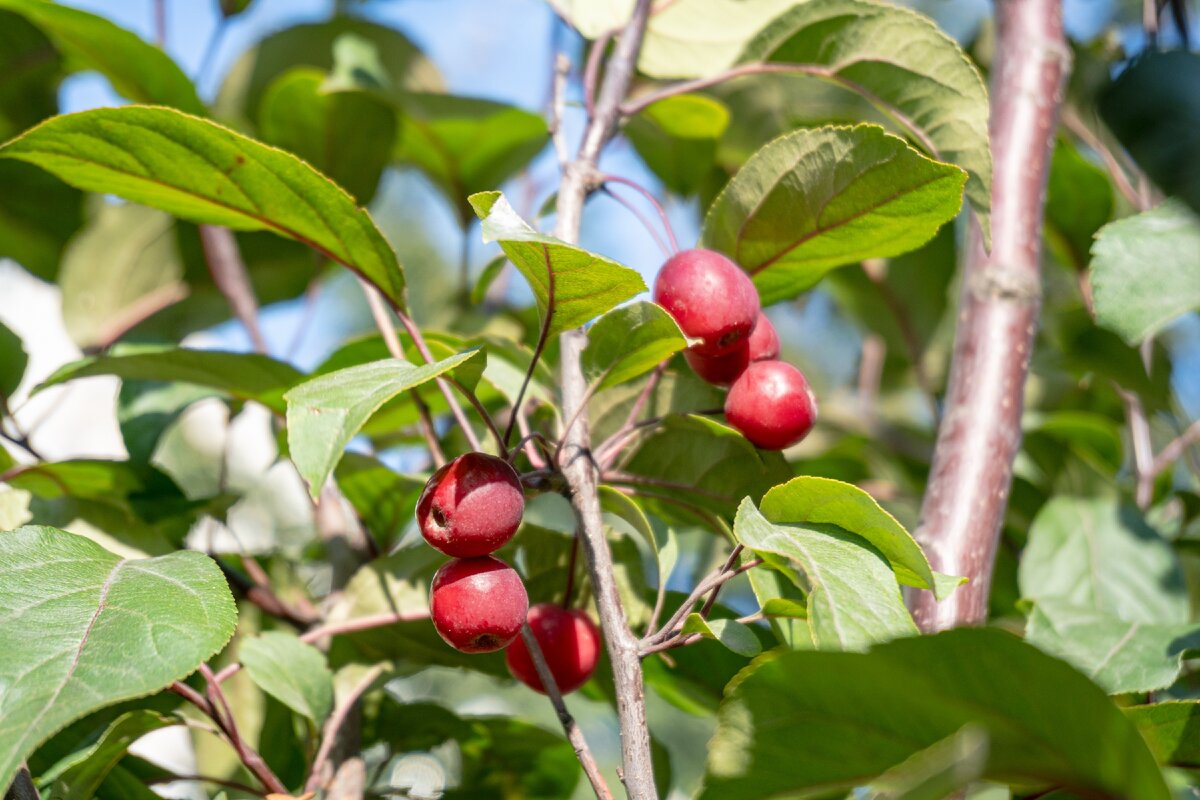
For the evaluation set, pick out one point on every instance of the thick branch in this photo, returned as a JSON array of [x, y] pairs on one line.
[[579, 177], [980, 433]]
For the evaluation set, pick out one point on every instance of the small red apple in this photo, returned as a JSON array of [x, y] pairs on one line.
[[569, 641], [710, 297], [477, 604], [772, 405], [471, 506], [722, 370]]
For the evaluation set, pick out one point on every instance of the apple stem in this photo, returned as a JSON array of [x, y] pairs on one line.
[[641, 218], [646, 193], [543, 335], [570, 589]]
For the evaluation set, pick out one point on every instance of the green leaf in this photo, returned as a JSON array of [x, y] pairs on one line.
[[854, 600], [822, 500], [1170, 731], [1095, 553], [80, 774], [938, 771], [347, 135], [734, 635], [32, 70], [798, 722], [325, 413], [1079, 201], [384, 499], [570, 284], [38, 214], [206, 173], [467, 145], [109, 629], [1146, 270], [292, 672], [677, 138], [684, 39], [904, 65], [90, 479], [816, 199], [245, 376], [1120, 656], [13, 360], [630, 341], [125, 260], [703, 463], [136, 69], [313, 45], [487, 276]]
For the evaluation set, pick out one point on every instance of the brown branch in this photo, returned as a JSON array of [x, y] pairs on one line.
[[570, 728], [579, 470], [710, 583], [392, 341], [229, 274], [1175, 448], [329, 735], [22, 787], [980, 434]]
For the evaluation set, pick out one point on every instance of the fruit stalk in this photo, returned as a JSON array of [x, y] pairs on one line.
[[578, 468], [968, 488]]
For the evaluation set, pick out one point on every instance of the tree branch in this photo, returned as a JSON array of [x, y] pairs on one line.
[[969, 482], [1175, 448], [570, 728], [579, 470], [229, 274]]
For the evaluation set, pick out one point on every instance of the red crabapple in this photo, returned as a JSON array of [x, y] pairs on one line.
[[772, 405], [471, 506], [710, 297], [477, 604], [722, 370], [569, 641]]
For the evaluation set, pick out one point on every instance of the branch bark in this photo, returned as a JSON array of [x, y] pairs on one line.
[[980, 433], [579, 469]]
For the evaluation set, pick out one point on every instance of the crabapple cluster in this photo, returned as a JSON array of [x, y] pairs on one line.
[[714, 301], [470, 508]]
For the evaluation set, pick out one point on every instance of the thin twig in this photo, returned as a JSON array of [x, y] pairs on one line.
[[591, 72], [333, 725], [388, 331], [635, 411], [640, 217], [570, 588], [710, 582], [1175, 448], [1075, 124], [228, 784], [459, 415], [543, 336], [558, 93], [646, 193], [233, 281], [570, 728], [680, 639]]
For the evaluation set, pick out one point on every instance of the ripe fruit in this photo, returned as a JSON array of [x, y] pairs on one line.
[[771, 404], [477, 604], [763, 345], [569, 641], [710, 297], [764, 342], [471, 506]]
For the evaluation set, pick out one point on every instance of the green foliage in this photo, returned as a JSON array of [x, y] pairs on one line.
[[628, 342], [901, 63], [202, 172], [1130, 301], [467, 145], [814, 200], [677, 137], [111, 629], [13, 360], [245, 376], [292, 672], [346, 135], [572, 286], [798, 721], [325, 413], [38, 214], [137, 70]]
